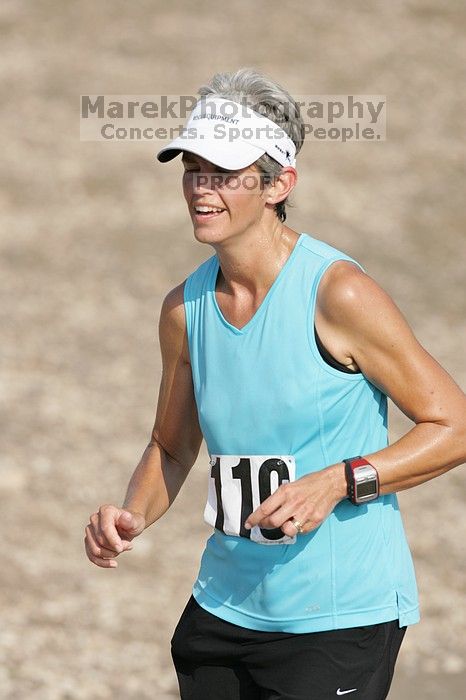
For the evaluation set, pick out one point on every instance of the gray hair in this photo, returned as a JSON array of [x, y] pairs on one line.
[[265, 96]]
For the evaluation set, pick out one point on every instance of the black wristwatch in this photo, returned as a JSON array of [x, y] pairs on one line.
[[362, 480]]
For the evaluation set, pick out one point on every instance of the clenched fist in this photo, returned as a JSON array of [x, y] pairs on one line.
[[110, 532]]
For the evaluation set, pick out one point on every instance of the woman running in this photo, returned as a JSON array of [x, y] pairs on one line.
[[280, 352]]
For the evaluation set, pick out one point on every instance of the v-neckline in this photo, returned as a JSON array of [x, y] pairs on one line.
[[265, 301]]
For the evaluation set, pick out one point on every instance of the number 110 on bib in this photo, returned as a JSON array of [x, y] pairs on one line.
[[238, 484]]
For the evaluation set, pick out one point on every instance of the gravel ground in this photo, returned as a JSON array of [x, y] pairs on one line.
[[95, 234]]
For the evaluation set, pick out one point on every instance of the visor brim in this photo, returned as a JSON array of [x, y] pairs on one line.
[[226, 155]]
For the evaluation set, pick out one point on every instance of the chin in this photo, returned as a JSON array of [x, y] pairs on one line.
[[208, 234]]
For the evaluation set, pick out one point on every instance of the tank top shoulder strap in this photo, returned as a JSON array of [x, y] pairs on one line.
[[196, 286]]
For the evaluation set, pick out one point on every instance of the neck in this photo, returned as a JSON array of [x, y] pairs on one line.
[[252, 261]]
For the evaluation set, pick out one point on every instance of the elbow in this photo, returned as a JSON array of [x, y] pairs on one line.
[[155, 443], [182, 461], [462, 441], [457, 441]]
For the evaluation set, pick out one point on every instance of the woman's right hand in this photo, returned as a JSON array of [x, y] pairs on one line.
[[110, 532]]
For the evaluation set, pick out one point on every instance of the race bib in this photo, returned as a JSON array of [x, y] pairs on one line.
[[238, 484]]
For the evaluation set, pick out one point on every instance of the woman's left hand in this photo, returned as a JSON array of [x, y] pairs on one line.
[[308, 501]]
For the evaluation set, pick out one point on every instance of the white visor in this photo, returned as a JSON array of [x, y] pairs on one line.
[[231, 136]]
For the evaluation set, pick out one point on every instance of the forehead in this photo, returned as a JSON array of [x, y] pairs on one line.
[[193, 158]]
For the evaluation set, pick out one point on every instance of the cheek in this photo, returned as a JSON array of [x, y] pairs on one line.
[[187, 185], [243, 203], [187, 193]]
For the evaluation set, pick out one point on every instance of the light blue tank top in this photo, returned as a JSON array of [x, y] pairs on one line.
[[264, 389]]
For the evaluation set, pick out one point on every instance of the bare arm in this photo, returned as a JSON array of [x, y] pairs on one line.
[[362, 327], [176, 435], [377, 338], [169, 456]]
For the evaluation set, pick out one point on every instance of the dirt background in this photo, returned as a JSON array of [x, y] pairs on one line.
[[93, 236]]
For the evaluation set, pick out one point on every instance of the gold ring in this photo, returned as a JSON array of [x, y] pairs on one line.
[[297, 524]]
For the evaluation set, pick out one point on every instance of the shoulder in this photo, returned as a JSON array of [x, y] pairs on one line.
[[363, 322], [172, 323], [347, 294], [172, 306]]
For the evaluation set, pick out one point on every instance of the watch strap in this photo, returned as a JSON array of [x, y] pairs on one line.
[[350, 464]]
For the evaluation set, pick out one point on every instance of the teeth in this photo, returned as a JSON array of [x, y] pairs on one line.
[[207, 210]]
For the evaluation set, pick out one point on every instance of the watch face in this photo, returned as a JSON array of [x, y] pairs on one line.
[[367, 488]]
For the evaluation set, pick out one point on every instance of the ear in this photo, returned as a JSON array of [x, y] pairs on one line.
[[281, 186]]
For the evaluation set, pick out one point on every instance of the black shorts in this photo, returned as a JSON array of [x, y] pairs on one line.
[[216, 660]]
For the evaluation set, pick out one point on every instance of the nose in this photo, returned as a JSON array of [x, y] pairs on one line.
[[203, 181]]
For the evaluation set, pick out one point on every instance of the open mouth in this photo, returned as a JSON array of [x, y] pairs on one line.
[[204, 212]]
